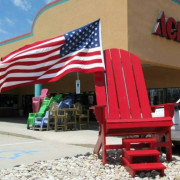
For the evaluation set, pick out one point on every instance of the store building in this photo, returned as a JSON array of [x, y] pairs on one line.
[[126, 24]]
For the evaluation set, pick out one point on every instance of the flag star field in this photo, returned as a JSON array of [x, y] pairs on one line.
[[85, 37]]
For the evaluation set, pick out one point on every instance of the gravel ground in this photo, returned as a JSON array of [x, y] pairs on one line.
[[85, 167]]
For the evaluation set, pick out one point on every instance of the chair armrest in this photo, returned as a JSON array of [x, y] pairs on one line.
[[168, 108], [99, 111], [97, 106], [69, 109]]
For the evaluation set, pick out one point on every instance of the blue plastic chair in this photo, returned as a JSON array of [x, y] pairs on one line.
[[67, 103], [41, 122]]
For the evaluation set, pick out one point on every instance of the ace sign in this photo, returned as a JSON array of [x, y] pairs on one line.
[[167, 27]]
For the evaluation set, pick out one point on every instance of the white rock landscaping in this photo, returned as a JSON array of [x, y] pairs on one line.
[[87, 167]]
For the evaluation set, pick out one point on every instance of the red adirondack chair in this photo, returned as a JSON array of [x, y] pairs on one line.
[[123, 106]]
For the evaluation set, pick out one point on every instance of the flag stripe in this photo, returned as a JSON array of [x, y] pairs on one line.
[[32, 46], [29, 62], [34, 55], [37, 52]]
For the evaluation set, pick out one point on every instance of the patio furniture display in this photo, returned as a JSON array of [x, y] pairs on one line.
[[51, 116], [31, 119], [67, 106], [57, 98], [36, 101], [41, 122], [67, 103], [62, 115], [70, 119], [123, 109], [44, 107], [44, 93], [57, 118], [82, 116]]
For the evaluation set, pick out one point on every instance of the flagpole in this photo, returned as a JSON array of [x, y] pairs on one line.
[[105, 78]]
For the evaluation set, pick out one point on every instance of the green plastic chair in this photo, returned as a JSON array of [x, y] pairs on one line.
[[57, 98], [44, 107]]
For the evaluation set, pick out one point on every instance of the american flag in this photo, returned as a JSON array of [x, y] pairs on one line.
[[49, 60]]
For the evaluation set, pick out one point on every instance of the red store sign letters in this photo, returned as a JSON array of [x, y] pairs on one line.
[[167, 27]]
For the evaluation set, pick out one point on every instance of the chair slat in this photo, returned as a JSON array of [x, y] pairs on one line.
[[120, 84], [130, 84], [141, 87], [100, 89], [112, 96]]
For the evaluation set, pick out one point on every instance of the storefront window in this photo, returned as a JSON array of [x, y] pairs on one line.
[[27, 104], [163, 95], [8, 105], [8, 100]]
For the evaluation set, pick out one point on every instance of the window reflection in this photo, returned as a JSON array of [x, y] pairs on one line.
[[163, 95]]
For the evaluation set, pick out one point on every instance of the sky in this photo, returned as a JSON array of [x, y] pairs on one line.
[[16, 16]]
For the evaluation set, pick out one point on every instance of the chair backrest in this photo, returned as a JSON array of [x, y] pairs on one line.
[[46, 114], [79, 109], [68, 102], [62, 105], [44, 93], [57, 98], [53, 108], [36, 102], [125, 93]]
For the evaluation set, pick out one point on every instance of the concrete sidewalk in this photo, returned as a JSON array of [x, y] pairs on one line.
[[17, 127]]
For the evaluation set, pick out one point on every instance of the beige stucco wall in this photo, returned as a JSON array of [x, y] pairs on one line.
[[142, 16], [161, 77]]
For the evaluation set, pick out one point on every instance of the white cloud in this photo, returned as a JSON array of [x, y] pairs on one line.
[[3, 31], [23, 4], [48, 1], [9, 21], [29, 21]]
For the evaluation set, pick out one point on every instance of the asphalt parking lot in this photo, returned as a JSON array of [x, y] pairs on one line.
[[21, 146], [16, 151]]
